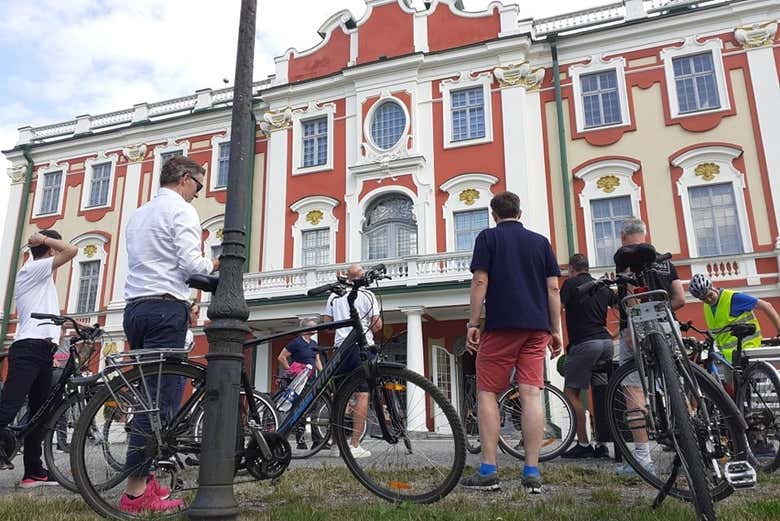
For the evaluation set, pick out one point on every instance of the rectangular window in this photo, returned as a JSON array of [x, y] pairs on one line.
[[468, 114], [51, 192], [222, 165], [601, 99], [315, 142], [468, 224], [89, 278], [608, 216], [696, 83], [315, 250], [101, 179], [715, 220]]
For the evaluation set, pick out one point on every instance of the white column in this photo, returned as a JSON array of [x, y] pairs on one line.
[[9, 229], [426, 179], [262, 368], [274, 233], [129, 205], [351, 229], [766, 90], [415, 398], [524, 153]]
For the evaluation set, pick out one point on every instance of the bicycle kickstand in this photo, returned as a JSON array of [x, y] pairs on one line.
[[669, 483]]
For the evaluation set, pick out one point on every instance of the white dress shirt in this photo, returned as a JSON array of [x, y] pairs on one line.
[[366, 306], [163, 247], [35, 293]]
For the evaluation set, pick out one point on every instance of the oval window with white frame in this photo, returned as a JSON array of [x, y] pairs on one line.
[[388, 124]]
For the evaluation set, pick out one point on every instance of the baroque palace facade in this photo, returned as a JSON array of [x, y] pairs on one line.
[[385, 141]]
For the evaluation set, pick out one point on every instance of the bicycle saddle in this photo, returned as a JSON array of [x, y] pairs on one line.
[[207, 283], [743, 330]]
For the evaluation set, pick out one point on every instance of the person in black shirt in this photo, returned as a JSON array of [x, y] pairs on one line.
[[301, 351], [591, 347]]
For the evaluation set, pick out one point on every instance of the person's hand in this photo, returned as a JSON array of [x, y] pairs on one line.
[[472, 339], [36, 239], [556, 345], [215, 265]]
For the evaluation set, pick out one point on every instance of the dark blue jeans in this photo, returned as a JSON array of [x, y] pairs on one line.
[[153, 324]]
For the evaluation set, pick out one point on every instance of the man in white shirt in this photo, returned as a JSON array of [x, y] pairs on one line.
[[163, 251], [30, 357], [368, 310]]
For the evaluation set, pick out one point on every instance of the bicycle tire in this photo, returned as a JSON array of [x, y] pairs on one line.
[[729, 422], [59, 465], [762, 419], [398, 391], [561, 428], [683, 430], [90, 491]]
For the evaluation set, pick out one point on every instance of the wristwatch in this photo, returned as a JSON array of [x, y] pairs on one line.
[[469, 325]]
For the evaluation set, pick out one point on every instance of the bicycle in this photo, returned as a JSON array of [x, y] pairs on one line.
[[69, 391], [755, 387], [397, 416], [663, 398], [559, 421]]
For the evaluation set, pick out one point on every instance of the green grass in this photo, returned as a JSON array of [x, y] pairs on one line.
[[572, 494]]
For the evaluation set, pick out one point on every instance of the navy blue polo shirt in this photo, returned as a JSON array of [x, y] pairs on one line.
[[518, 262], [301, 351]]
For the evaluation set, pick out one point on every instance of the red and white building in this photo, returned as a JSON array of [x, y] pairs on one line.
[[386, 140]]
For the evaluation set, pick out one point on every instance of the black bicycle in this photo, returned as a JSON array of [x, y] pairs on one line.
[[65, 398], [668, 406], [397, 459], [754, 385]]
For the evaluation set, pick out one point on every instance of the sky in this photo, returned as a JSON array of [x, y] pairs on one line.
[[63, 59]]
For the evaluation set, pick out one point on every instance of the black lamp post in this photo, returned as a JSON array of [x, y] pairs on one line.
[[228, 310]]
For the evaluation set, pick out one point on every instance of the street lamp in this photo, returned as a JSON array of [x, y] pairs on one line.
[[228, 311]]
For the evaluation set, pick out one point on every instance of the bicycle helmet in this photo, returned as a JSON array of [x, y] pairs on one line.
[[700, 285]]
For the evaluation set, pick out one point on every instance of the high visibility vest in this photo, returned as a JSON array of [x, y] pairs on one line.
[[722, 317]]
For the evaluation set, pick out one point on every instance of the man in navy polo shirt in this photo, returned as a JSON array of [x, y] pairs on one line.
[[515, 274]]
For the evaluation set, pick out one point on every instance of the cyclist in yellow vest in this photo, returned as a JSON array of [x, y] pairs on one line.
[[723, 307]]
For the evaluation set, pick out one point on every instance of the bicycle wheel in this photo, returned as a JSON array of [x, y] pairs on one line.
[[628, 420], [470, 419], [58, 433], [682, 428], [415, 465], [122, 412], [559, 423], [759, 400]]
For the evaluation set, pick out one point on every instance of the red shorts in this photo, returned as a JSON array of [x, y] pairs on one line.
[[502, 350]]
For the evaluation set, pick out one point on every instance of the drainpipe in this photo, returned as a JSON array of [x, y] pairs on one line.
[[17, 246], [553, 38]]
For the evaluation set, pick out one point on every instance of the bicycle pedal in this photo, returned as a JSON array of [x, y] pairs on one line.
[[740, 474]]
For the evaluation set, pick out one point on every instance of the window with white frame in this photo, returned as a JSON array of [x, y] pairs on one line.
[[715, 219], [315, 142], [100, 184], [466, 103], [89, 283], [468, 224], [600, 95], [608, 217], [695, 82], [468, 114], [712, 196], [695, 77], [390, 228], [50, 195], [388, 124], [315, 247], [223, 162], [600, 99]]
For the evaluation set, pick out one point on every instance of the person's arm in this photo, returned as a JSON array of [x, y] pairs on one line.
[[326, 318], [63, 251], [554, 305], [283, 356], [376, 319], [317, 362], [479, 285], [677, 298], [770, 312], [187, 236]]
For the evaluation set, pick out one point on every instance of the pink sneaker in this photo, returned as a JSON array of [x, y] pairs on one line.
[[37, 481], [159, 490], [148, 503]]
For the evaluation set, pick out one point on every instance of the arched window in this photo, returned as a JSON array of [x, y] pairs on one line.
[[390, 228]]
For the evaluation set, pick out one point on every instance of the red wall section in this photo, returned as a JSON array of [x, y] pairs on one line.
[[330, 58], [447, 30], [389, 31]]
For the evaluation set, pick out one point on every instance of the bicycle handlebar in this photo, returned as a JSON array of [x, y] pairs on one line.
[[340, 287], [83, 331]]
